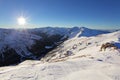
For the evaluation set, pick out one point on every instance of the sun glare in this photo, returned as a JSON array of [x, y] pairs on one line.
[[21, 21]]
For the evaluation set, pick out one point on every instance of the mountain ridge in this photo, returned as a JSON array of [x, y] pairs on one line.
[[21, 44], [74, 59]]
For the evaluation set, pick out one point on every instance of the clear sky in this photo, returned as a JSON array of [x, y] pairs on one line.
[[101, 14]]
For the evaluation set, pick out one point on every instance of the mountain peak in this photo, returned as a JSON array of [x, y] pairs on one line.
[[84, 31], [32, 43]]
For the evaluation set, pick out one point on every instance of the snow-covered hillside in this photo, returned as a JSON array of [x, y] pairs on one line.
[[17, 45], [83, 45], [78, 58], [83, 31], [70, 32], [14, 44]]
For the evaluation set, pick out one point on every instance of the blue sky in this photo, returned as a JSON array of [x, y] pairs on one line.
[[102, 14]]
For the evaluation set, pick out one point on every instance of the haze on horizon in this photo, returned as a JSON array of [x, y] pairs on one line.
[[99, 14]]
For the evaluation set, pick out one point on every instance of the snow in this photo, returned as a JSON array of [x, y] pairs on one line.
[[86, 63], [17, 40], [74, 69], [48, 47], [21, 39], [70, 32]]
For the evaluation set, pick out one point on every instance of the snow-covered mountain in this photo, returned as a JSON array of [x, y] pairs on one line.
[[18, 45], [78, 58], [71, 32], [83, 31], [82, 45]]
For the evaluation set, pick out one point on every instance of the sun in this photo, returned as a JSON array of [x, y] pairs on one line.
[[21, 21]]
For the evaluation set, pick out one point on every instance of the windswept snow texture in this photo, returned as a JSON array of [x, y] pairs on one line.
[[17, 45], [17, 40], [77, 58]]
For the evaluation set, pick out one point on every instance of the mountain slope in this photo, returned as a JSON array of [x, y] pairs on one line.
[[81, 45], [85, 63], [19, 45]]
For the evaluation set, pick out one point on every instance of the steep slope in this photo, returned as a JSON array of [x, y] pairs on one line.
[[83, 31], [70, 32], [19, 45], [91, 32], [14, 45], [81, 45], [84, 62]]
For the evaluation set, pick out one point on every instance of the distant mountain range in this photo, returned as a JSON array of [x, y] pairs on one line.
[[59, 54], [17, 45]]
